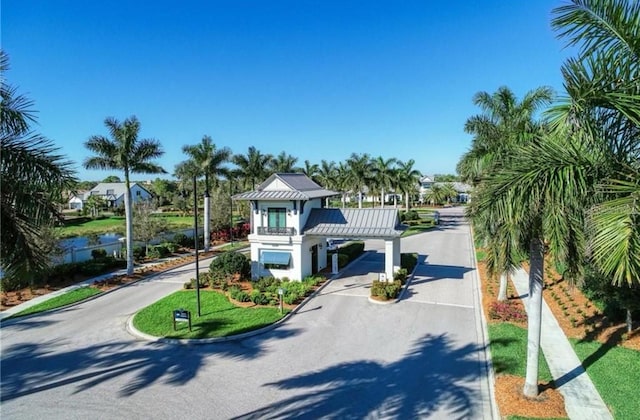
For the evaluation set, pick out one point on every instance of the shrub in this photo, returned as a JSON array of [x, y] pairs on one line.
[[158, 251], [203, 280], [171, 247], [231, 263], [343, 259], [409, 215], [506, 311], [98, 253], [182, 240], [238, 294], [408, 261], [267, 284], [352, 250], [259, 298], [290, 298], [312, 281], [386, 290], [188, 285], [401, 275]]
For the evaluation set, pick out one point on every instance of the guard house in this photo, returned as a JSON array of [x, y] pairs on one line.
[[290, 226]]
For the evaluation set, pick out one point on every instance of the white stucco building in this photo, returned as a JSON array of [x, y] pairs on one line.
[[290, 226]]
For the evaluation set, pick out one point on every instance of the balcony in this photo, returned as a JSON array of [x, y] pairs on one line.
[[276, 231]]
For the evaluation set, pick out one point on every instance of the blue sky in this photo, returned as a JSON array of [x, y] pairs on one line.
[[317, 79]]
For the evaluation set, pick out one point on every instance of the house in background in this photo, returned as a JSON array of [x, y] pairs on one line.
[[463, 190], [290, 227], [112, 193], [75, 201]]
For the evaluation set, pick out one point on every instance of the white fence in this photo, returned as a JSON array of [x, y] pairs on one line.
[[80, 254]]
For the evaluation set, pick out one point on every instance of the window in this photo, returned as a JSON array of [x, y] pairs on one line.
[[277, 218], [275, 260], [138, 193], [109, 192]]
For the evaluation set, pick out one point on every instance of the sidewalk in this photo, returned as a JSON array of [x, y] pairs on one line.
[[581, 399], [18, 308]]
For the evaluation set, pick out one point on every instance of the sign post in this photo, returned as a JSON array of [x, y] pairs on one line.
[[280, 293], [181, 315], [334, 263]]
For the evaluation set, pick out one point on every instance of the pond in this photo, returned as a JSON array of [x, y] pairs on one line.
[[84, 241]]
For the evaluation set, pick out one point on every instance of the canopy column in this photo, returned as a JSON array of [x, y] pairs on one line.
[[391, 257]]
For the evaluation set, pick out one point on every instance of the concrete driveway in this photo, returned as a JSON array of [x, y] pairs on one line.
[[340, 356]]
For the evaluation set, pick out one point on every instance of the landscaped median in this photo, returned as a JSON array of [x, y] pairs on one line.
[[68, 298]]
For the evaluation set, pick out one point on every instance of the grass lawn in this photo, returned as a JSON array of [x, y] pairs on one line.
[[615, 372], [413, 230], [219, 318], [68, 298], [116, 224], [509, 351]]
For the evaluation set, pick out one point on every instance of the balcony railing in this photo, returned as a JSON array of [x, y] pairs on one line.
[[278, 231]]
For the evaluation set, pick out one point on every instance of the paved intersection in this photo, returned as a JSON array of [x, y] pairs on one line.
[[340, 356]]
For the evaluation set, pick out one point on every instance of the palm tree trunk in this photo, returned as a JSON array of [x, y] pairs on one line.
[[128, 212], [502, 293], [534, 316], [406, 198], [629, 321], [207, 221], [359, 199], [382, 198]]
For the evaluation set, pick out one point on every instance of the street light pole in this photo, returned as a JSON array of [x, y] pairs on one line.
[[231, 211], [195, 238]]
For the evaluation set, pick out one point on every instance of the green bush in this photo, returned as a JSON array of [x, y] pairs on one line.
[[343, 259], [171, 246], [408, 261], [238, 294], [353, 250], [182, 240], [259, 298], [401, 275], [158, 251], [231, 263], [203, 280], [188, 285], [386, 290], [409, 216], [290, 298], [267, 284], [98, 253]]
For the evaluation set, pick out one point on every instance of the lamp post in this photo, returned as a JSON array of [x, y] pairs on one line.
[[195, 238], [231, 213]]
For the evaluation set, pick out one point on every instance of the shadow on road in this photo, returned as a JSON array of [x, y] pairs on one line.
[[433, 272], [35, 367], [433, 375]]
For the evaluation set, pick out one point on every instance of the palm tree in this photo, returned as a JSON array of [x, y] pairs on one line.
[[408, 179], [124, 152], [209, 161], [382, 175], [449, 192], [503, 127], [312, 170], [327, 176], [283, 163], [342, 181], [359, 174], [252, 166], [34, 177]]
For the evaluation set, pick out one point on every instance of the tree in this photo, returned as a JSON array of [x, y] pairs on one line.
[[208, 161], [510, 221], [127, 153], [504, 124], [112, 178], [94, 204], [162, 190], [449, 192], [383, 175], [283, 163], [252, 166], [34, 177], [359, 174], [327, 176], [146, 226], [408, 179], [312, 170]]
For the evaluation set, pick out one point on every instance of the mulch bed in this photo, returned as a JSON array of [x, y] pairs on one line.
[[11, 299], [577, 316]]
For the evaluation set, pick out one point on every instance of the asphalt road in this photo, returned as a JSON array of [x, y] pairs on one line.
[[340, 356]]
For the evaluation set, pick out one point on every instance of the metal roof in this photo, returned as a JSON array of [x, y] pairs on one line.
[[355, 223], [301, 188]]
